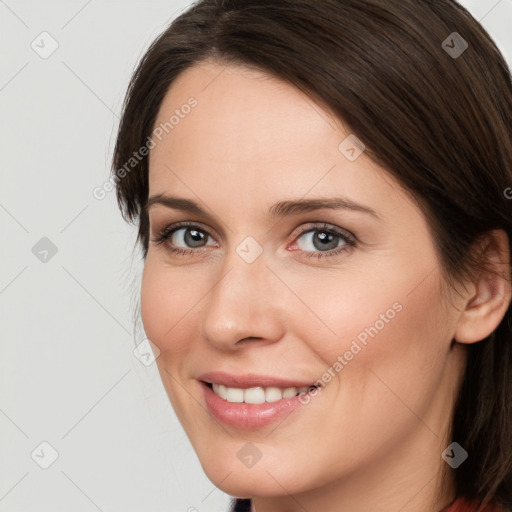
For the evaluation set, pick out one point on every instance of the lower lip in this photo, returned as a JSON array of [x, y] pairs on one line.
[[248, 416]]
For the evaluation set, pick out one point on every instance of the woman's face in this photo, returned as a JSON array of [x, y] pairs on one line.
[[274, 291]]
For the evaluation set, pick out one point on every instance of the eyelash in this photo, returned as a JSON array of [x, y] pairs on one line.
[[165, 234]]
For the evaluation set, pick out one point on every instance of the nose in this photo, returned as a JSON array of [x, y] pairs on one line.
[[245, 305]]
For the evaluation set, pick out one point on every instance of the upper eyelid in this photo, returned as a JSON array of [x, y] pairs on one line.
[[318, 226], [173, 227]]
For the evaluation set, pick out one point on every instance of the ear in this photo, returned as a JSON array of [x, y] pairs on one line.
[[489, 295]]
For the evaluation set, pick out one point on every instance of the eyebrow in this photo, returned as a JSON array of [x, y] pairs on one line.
[[277, 210]]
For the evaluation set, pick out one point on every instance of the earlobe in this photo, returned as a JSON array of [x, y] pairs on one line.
[[490, 295]]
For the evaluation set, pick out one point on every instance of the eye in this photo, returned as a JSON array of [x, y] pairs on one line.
[[324, 241], [183, 238], [187, 238]]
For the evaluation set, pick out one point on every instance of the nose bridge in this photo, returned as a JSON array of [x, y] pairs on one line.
[[244, 300]]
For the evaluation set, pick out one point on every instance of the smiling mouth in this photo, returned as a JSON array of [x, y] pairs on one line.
[[256, 395]]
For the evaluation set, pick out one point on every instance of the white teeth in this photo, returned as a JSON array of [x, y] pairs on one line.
[[222, 390], [256, 395], [273, 394], [289, 392], [235, 395]]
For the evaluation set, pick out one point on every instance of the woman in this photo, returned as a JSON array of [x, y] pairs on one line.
[[322, 193]]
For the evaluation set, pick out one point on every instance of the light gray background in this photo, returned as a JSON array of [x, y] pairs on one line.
[[68, 375]]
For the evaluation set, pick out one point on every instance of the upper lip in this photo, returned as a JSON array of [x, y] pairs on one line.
[[251, 380]]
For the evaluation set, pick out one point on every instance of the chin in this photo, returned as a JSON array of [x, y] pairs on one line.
[[263, 479]]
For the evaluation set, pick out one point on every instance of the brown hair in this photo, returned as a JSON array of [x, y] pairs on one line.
[[439, 122]]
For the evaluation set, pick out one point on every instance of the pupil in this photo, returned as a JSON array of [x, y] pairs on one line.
[[193, 237], [325, 239]]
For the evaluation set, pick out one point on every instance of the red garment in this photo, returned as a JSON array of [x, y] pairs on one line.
[[461, 505]]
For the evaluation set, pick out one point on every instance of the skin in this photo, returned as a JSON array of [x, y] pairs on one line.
[[372, 438]]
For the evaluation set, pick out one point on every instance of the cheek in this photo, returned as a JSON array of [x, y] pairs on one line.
[[378, 327], [153, 302], [166, 300], [392, 359], [345, 312], [383, 367], [167, 312]]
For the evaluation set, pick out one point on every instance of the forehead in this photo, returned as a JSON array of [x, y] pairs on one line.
[[241, 118], [237, 106], [254, 134]]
